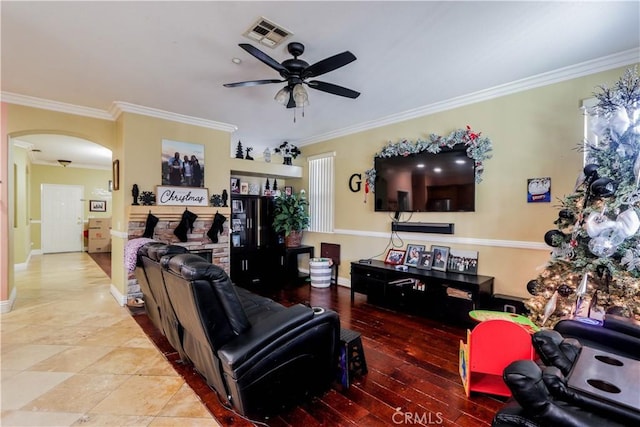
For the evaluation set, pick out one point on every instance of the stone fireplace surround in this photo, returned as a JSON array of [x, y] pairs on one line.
[[197, 241]]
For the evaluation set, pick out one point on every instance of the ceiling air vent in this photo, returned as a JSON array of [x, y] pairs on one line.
[[267, 33]]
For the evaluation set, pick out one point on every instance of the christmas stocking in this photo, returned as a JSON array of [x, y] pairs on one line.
[[216, 227], [152, 221], [186, 224]]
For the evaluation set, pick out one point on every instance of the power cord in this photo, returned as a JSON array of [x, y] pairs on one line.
[[230, 408]]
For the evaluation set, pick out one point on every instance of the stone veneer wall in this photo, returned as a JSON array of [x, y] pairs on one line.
[[197, 240]]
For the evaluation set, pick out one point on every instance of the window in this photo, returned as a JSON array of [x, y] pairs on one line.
[[590, 138], [321, 190]]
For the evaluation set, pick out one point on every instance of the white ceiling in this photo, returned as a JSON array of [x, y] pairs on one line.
[[175, 56]]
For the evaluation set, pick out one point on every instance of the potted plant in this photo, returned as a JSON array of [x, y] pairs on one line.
[[288, 152], [291, 217]]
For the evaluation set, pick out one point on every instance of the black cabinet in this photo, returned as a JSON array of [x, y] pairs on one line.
[[446, 296], [256, 250]]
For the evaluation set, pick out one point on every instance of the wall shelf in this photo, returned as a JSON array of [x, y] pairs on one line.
[[264, 169]]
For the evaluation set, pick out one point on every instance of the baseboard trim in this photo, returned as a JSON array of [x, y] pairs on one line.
[[7, 305], [121, 299]]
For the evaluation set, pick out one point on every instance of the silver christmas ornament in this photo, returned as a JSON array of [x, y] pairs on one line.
[[550, 307]]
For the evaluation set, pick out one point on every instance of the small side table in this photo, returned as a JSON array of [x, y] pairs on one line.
[[291, 260], [352, 361]]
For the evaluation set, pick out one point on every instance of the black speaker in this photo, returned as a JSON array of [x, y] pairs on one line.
[[423, 227]]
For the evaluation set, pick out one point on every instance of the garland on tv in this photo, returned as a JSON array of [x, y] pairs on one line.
[[478, 149]]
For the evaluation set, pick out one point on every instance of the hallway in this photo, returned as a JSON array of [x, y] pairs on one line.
[[71, 356]]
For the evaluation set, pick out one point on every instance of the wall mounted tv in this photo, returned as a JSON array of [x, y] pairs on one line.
[[426, 182]]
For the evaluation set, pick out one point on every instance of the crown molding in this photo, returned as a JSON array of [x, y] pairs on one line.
[[61, 107], [621, 59], [114, 112], [119, 107]]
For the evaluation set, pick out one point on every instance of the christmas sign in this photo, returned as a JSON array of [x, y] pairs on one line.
[[182, 196]]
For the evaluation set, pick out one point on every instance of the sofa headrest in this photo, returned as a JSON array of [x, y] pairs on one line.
[[176, 262], [144, 249], [158, 251], [194, 268]]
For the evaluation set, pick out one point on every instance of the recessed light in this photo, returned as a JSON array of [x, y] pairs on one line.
[[420, 165], [236, 60], [437, 170], [461, 162]]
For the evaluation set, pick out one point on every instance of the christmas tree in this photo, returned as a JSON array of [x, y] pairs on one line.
[[239, 151], [595, 264]]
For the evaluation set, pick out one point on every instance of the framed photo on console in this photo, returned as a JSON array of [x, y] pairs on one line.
[[424, 261], [465, 262], [394, 256], [439, 257], [413, 254]]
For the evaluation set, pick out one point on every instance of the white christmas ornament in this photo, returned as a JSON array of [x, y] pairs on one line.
[[550, 307], [628, 223], [582, 288], [597, 223], [606, 244]]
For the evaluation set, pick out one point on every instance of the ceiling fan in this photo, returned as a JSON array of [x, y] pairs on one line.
[[295, 73]]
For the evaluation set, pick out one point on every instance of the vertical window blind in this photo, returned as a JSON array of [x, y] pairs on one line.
[[321, 191]]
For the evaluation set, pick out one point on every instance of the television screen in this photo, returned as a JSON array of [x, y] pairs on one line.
[[425, 182]]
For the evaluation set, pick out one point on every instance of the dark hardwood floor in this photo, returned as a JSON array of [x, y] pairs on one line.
[[413, 369]]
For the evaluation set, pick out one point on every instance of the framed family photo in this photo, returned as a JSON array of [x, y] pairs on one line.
[[465, 262], [439, 257], [413, 254], [394, 256], [182, 163], [424, 261]]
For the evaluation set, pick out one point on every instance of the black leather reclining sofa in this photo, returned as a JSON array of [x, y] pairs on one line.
[[541, 394], [258, 355]]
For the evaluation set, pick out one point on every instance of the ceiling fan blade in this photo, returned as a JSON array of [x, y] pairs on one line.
[[253, 83], [329, 64], [263, 57], [333, 89]]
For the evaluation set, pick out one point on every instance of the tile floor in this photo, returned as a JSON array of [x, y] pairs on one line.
[[70, 355]]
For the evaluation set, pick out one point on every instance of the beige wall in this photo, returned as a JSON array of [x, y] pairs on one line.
[[534, 133]]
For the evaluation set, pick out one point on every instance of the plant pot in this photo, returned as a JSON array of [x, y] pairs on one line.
[[293, 240]]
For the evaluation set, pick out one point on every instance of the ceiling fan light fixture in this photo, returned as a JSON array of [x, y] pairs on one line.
[[300, 96], [64, 163], [282, 97]]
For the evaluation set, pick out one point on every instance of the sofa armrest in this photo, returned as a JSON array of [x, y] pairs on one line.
[[623, 325], [602, 338], [259, 336]]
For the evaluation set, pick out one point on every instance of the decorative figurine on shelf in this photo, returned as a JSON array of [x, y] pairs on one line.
[[225, 197], [267, 189], [135, 192], [275, 184], [148, 198], [215, 200], [288, 152], [239, 150], [248, 155], [267, 155]]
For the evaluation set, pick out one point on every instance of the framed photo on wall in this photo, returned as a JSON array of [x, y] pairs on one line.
[[182, 164], [439, 257], [424, 261], [465, 262], [394, 256], [97, 205], [413, 254]]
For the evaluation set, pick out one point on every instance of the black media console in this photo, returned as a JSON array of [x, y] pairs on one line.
[[440, 295]]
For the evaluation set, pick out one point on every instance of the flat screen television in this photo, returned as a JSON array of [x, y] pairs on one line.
[[425, 182]]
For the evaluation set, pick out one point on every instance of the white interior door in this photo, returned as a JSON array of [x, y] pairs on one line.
[[62, 216]]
